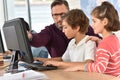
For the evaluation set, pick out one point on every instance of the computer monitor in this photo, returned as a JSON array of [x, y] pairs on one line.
[[1, 44], [15, 33]]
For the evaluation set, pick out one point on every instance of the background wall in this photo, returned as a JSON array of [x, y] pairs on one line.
[[88, 5], [74, 4], [1, 13]]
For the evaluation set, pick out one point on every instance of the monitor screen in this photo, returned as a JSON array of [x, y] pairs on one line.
[[1, 44], [16, 38]]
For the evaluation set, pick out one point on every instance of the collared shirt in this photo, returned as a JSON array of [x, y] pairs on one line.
[[80, 52]]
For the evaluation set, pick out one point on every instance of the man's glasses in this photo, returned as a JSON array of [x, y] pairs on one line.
[[58, 14]]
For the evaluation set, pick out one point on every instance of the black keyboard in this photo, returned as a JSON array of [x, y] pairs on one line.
[[39, 66]]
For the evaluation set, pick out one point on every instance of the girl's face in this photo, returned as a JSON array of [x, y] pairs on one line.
[[97, 25], [67, 29]]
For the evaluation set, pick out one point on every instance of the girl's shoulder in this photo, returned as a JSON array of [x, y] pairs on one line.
[[110, 39], [109, 42]]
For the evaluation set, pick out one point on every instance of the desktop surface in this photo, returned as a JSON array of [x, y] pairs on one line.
[[60, 74]]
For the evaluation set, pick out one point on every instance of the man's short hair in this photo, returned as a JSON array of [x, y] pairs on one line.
[[60, 2]]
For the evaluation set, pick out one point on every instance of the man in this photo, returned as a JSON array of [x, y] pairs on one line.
[[52, 36]]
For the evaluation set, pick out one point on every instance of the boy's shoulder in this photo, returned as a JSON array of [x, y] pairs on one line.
[[89, 42]]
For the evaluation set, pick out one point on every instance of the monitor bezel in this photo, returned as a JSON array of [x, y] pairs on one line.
[[22, 38]]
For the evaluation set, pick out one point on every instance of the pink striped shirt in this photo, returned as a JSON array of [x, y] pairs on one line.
[[107, 59]]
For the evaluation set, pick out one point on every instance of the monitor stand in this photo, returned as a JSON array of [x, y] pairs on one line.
[[13, 67]]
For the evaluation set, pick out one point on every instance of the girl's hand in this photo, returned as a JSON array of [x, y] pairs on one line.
[[93, 38], [77, 67]]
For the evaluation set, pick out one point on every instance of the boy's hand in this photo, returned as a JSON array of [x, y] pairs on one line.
[[54, 63], [41, 59]]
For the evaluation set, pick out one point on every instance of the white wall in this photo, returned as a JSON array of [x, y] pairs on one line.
[[74, 4], [1, 14], [2, 21], [10, 8]]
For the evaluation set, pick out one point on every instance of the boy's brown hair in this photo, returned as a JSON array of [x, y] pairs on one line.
[[77, 17]]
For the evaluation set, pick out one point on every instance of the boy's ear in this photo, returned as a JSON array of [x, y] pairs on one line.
[[78, 28], [105, 21]]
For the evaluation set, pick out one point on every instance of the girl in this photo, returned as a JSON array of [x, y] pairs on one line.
[[75, 25], [105, 20]]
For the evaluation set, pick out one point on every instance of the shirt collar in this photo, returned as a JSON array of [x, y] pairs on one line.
[[81, 42]]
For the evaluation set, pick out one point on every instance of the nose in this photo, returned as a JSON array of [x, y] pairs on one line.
[[59, 18]]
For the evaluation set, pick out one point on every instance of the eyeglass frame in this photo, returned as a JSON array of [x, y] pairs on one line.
[[56, 15]]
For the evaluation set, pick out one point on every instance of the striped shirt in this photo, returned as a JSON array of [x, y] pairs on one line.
[[107, 59]]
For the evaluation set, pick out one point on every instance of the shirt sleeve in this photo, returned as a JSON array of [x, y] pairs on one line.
[[41, 39], [101, 60], [90, 50]]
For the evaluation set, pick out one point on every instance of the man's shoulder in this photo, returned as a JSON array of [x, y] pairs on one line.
[[51, 26]]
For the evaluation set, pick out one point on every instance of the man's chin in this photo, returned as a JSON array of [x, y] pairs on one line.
[[59, 26]]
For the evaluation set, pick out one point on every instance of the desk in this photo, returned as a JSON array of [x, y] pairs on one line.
[[63, 75]]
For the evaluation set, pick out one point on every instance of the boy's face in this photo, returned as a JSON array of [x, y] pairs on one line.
[[58, 11], [67, 29], [97, 25]]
